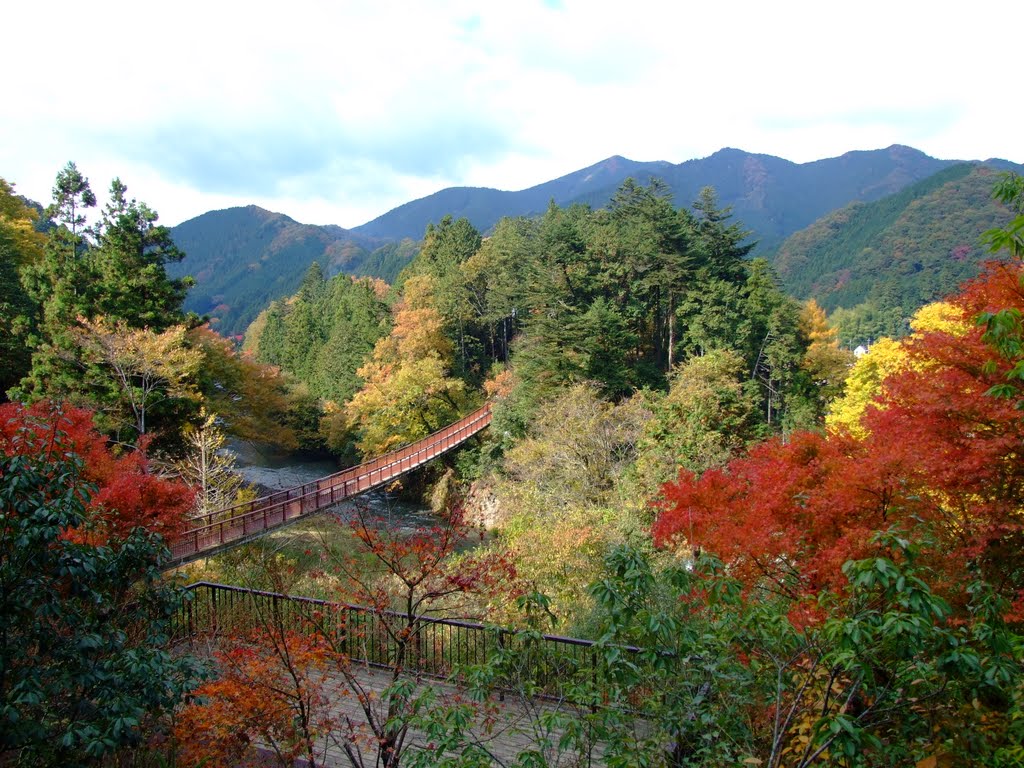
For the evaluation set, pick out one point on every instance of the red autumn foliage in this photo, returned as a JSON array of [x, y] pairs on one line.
[[420, 561], [127, 494], [942, 457]]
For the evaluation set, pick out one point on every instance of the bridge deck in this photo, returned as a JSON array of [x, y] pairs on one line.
[[225, 528]]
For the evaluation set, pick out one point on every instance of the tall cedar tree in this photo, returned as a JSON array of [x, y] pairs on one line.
[[115, 271]]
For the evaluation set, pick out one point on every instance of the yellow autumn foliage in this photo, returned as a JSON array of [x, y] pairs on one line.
[[887, 358], [408, 393]]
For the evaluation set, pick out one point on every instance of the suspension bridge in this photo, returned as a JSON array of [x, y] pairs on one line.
[[222, 529]]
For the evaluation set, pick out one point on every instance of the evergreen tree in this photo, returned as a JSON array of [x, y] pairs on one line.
[[114, 272], [446, 247], [271, 342], [775, 343], [129, 262], [359, 317], [723, 246], [651, 265], [21, 247], [62, 285], [495, 279]]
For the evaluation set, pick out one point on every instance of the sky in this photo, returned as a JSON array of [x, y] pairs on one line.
[[336, 112]]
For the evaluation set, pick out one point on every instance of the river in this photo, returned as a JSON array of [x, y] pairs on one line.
[[273, 470]]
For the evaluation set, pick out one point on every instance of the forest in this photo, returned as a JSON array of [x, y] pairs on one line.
[[780, 554]]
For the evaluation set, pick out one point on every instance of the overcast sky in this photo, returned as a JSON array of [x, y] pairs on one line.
[[335, 112]]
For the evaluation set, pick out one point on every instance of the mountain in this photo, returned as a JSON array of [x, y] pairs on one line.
[[484, 206], [898, 253], [771, 196], [388, 260], [243, 258]]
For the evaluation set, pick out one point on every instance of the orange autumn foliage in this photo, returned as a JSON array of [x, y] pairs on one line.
[[269, 696]]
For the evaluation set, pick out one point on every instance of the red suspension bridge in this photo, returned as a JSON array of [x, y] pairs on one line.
[[225, 528]]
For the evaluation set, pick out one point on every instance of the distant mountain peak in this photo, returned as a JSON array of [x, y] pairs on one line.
[[903, 149]]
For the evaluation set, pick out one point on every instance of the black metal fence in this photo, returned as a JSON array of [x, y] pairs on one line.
[[423, 644]]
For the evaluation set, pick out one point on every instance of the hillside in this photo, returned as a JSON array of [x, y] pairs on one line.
[[242, 258], [897, 253], [388, 260]]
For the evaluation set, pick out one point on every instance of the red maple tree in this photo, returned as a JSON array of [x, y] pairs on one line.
[[127, 495], [941, 462]]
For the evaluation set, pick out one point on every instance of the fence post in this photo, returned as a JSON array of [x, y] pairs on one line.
[[501, 647], [213, 611]]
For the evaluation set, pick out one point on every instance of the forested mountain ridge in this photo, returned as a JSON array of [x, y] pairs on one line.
[[243, 258], [773, 196], [484, 206], [888, 257]]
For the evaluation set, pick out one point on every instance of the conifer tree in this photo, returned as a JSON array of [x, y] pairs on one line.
[[61, 285], [21, 247], [131, 253], [113, 271]]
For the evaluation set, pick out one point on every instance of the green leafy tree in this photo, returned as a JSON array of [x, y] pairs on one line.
[[1004, 327], [83, 627], [707, 416], [877, 675]]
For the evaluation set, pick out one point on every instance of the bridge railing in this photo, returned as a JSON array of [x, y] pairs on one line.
[[439, 646], [237, 522]]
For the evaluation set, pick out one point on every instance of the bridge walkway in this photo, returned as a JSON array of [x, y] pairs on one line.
[[225, 528]]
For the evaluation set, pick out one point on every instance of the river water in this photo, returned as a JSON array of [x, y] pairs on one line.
[[274, 470]]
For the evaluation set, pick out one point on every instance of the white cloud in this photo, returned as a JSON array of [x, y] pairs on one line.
[[336, 112]]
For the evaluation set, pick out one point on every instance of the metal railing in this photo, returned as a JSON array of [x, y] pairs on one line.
[[435, 647], [215, 530]]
